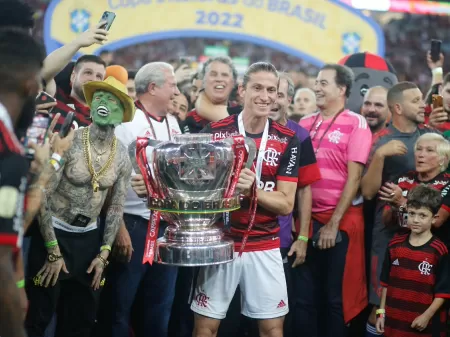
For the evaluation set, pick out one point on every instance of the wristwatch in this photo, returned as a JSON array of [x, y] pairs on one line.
[[53, 257]]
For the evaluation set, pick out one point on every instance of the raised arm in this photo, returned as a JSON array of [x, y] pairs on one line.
[[57, 60]]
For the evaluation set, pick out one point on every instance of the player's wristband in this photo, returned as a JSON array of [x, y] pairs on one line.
[[37, 186], [381, 313], [302, 238], [55, 164], [51, 244], [20, 284], [105, 247], [58, 158], [437, 71]]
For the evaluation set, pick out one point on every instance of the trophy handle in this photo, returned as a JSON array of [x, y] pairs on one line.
[[136, 146], [251, 146]]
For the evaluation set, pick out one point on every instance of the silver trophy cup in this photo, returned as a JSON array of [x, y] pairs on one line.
[[191, 174]]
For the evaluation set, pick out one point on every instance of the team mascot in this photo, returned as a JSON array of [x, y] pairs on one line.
[[370, 70]]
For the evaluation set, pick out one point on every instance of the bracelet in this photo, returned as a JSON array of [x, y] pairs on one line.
[[105, 262], [58, 158], [20, 284], [380, 311], [105, 247], [39, 187], [437, 71], [51, 244], [302, 238], [55, 164]]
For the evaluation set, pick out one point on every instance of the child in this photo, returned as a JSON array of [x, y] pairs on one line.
[[415, 275]]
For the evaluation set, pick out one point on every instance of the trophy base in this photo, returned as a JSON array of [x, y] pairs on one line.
[[190, 255]]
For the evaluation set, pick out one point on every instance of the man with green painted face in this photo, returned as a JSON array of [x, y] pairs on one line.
[[68, 257]]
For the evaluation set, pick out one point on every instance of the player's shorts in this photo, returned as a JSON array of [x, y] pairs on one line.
[[381, 237], [260, 276]]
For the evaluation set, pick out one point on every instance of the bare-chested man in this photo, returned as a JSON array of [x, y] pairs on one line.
[[68, 257]]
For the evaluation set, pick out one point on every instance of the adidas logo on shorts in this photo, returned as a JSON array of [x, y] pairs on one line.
[[281, 304]]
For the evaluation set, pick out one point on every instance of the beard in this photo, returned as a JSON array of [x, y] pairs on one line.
[[26, 117], [79, 91]]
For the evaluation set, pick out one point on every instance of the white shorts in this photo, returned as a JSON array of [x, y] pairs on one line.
[[260, 276]]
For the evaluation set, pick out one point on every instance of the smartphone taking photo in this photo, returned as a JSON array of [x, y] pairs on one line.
[[108, 18], [435, 50]]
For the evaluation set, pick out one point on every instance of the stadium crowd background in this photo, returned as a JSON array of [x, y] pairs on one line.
[[407, 38]]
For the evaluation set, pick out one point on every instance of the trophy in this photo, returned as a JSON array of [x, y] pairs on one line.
[[191, 182]]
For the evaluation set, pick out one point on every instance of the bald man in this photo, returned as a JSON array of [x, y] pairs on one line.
[[375, 108], [304, 104]]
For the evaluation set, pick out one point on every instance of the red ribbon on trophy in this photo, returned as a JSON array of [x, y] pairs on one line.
[[241, 156], [155, 216]]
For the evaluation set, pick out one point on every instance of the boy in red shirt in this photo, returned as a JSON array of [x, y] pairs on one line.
[[415, 275]]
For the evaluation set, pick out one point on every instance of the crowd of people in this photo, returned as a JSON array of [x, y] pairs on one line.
[[345, 214]]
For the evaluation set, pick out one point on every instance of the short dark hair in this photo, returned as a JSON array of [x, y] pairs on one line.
[[21, 57], [426, 197], [86, 59], [259, 67], [15, 13], [344, 76], [131, 74], [395, 94], [222, 59]]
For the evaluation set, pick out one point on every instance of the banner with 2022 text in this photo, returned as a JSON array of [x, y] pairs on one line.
[[318, 31]]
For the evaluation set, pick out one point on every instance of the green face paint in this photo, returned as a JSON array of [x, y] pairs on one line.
[[106, 109]]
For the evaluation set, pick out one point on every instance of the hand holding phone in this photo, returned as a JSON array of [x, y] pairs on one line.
[[437, 101], [67, 125], [108, 19]]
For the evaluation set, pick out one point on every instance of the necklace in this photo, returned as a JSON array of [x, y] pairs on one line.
[[316, 129], [87, 156], [99, 153]]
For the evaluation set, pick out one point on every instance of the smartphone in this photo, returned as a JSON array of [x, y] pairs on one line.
[[43, 98], [108, 17], [435, 50], [437, 101], [36, 133], [65, 128], [316, 238]]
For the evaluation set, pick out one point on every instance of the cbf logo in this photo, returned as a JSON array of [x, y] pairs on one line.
[[425, 268], [79, 20], [351, 43]]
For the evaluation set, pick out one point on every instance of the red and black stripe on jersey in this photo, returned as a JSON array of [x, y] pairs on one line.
[[441, 183], [13, 183], [414, 276], [280, 163], [194, 123], [65, 104]]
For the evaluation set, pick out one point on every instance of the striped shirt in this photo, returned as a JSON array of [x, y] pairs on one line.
[[347, 139], [414, 276]]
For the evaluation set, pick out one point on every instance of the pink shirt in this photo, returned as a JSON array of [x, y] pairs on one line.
[[348, 139]]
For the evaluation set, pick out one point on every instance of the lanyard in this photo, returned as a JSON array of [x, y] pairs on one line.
[[262, 146], [313, 136], [149, 120], [153, 129]]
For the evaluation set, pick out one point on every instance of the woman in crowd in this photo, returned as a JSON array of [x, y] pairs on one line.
[[432, 154]]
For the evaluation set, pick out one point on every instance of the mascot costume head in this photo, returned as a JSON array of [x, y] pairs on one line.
[[370, 71]]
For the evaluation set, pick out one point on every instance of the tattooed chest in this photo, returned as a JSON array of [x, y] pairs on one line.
[[77, 172]]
